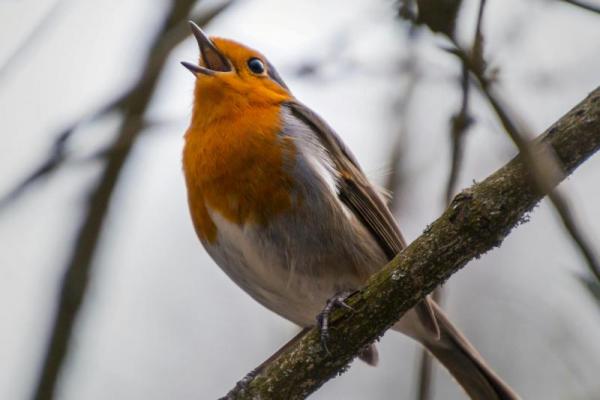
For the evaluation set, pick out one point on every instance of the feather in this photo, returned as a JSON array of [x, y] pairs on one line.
[[356, 192]]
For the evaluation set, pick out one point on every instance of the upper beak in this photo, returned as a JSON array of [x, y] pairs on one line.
[[213, 60]]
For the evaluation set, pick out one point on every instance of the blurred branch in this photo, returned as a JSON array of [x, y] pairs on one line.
[[592, 285], [32, 38], [410, 70], [542, 165], [583, 5], [58, 153], [439, 15], [462, 119], [477, 220], [132, 106], [425, 381], [397, 178], [56, 157], [459, 124]]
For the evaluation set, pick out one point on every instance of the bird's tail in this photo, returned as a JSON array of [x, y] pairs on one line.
[[465, 364]]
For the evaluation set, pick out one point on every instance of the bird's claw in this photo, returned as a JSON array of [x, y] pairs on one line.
[[338, 300]]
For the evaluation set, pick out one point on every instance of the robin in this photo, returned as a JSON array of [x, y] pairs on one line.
[[284, 208]]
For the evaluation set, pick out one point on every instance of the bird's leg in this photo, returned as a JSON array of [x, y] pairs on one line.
[[338, 300]]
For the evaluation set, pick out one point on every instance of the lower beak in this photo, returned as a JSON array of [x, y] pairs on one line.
[[196, 69], [213, 60]]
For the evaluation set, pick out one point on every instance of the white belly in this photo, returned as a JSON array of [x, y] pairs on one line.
[[293, 265]]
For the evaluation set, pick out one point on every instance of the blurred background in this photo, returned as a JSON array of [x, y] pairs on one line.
[[94, 103]]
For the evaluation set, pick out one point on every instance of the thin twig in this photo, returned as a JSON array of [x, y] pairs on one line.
[[395, 179], [425, 385], [459, 125], [460, 122], [35, 34], [77, 273], [478, 40], [564, 212], [592, 285], [583, 5], [57, 155], [439, 16], [56, 158]]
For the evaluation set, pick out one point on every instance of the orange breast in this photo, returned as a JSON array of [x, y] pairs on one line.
[[237, 164]]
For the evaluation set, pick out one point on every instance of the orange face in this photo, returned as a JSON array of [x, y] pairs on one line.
[[234, 75], [251, 72]]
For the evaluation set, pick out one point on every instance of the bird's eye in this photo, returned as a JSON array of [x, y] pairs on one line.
[[256, 65]]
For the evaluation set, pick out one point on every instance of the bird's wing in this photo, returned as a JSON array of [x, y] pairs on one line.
[[359, 195]]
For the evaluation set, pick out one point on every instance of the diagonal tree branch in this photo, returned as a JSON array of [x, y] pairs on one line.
[[132, 106], [478, 219]]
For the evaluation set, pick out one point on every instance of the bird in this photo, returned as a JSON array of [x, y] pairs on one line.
[[283, 207]]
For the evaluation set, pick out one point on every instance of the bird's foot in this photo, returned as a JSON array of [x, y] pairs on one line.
[[338, 300]]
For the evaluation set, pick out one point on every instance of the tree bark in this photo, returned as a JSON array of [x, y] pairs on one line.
[[477, 220]]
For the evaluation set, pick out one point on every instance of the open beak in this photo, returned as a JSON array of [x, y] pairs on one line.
[[213, 60]]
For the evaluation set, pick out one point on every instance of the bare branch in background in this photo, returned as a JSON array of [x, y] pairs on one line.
[[459, 125], [55, 159], [592, 285], [407, 9], [313, 66], [58, 154], [477, 220], [133, 106], [395, 179], [583, 5], [462, 119], [478, 40], [459, 122], [32, 38], [425, 382], [542, 165], [439, 16]]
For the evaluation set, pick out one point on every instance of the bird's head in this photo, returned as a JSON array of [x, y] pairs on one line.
[[232, 74]]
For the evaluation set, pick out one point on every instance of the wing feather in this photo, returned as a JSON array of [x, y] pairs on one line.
[[357, 193], [353, 186]]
